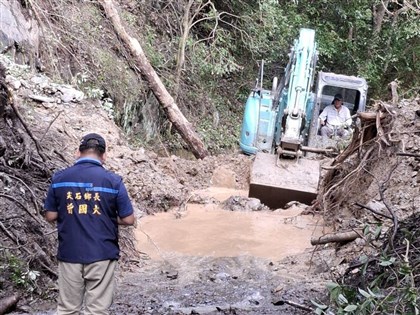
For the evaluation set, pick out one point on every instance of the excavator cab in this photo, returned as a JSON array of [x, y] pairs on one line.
[[353, 89]]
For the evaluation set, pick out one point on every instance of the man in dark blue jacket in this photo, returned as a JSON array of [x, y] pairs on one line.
[[88, 202]]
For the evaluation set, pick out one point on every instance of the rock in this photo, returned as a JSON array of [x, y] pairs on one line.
[[376, 205], [360, 242], [48, 105], [238, 203], [255, 298], [277, 289], [171, 274], [16, 84], [40, 80], [41, 98], [70, 94], [18, 35], [291, 204], [222, 276], [25, 84], [192, 172], [253, 204]]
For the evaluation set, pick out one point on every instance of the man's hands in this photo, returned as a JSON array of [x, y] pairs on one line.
[[51, 216]]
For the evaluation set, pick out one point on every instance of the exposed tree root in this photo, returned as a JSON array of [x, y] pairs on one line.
[[25, 170], [352, 172]]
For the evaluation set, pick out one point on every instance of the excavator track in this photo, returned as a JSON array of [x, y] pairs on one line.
[[278, 181]]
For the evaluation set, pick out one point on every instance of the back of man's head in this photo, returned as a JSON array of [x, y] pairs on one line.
[[92, 143]]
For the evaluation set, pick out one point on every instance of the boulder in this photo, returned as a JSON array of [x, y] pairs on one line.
[[70, 94], [18, 35]]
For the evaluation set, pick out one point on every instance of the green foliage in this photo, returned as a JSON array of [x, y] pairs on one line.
[[155, 56], [345, 34], [392, 290], [219, 137], [81, 80], [130, 18], [17, 272], [214, 61]]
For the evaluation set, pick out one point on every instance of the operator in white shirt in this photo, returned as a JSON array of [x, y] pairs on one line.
[[335, 116]]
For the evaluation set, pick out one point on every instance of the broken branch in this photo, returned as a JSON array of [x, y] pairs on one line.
[[37, 145], [408, 154], [372, 210], [22, 206], [294, 304], [339, 237]]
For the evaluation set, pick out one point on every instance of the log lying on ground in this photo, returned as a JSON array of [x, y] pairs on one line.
[[8, 303], [335, 238]]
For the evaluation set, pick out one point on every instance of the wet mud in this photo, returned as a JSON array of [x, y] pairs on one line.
[[208, 260]]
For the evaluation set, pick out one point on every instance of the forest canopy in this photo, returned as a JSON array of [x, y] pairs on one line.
[[378, 40]]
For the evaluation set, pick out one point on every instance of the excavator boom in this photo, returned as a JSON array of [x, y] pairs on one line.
[[282, 176]]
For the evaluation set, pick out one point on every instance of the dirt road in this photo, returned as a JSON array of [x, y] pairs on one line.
[[211, 260]]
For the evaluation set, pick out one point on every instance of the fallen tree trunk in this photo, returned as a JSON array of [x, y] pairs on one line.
[[8, 303], [167, 102], [335, 238]]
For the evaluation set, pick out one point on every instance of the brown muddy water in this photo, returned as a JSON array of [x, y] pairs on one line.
[[209, 230], [208, 260]]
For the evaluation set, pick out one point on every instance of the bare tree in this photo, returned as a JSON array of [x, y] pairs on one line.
[[378, 15], [191, 17]]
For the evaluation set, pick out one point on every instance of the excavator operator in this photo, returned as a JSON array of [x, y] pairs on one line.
[[335, 119]]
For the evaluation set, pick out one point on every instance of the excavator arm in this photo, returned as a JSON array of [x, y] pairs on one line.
[[295, 96]]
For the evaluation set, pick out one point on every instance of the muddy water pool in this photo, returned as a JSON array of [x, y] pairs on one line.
[[205, 259], [209, 230]]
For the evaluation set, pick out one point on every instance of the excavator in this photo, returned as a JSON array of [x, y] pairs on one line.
[[281, 125]]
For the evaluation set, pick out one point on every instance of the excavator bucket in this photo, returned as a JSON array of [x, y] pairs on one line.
[[278, 181]]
